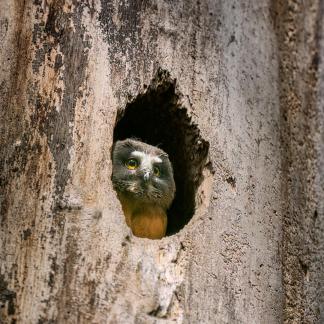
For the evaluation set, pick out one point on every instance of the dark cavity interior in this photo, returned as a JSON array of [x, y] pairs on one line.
[[156, 117]]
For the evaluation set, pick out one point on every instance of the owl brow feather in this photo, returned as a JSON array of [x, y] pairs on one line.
[[128, 144], [163, 155]]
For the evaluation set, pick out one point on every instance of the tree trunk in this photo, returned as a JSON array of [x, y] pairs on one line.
[[233, 90]]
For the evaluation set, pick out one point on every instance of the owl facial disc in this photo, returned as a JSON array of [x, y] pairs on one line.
[[144, 172]]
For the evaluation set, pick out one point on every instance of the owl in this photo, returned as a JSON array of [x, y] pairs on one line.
[[142, 176]]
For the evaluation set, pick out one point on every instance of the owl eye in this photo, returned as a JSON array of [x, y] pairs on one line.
[[156, 171], [131, 164]]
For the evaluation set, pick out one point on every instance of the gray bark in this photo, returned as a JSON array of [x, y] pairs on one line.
[[247, 74]]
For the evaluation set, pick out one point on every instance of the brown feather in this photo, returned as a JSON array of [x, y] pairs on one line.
[[146, 221]]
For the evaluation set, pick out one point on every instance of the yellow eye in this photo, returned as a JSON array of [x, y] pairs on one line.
[[156, 171], [131, 164]]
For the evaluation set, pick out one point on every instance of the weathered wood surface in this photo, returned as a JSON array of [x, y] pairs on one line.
[[250, 75]]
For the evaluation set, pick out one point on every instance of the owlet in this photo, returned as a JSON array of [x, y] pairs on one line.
[[143, 179]]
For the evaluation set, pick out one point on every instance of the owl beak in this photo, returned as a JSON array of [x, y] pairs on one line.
[[146, 175]]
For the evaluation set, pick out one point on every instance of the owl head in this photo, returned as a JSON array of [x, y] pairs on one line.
[[142, 172]]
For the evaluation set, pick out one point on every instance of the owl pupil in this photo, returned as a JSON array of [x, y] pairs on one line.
[[131, 164]]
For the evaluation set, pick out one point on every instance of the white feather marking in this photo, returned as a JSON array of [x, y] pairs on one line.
[[156, 159], [138, 154], [147, 160]]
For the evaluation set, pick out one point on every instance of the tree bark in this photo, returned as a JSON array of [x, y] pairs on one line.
[[245, 84]]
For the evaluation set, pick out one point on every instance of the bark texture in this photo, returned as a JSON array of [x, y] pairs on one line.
[[238, 84]]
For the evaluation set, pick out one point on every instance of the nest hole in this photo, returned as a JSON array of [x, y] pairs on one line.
[[156, 117]]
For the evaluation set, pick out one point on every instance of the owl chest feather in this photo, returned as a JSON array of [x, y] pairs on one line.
[[145, 220]]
